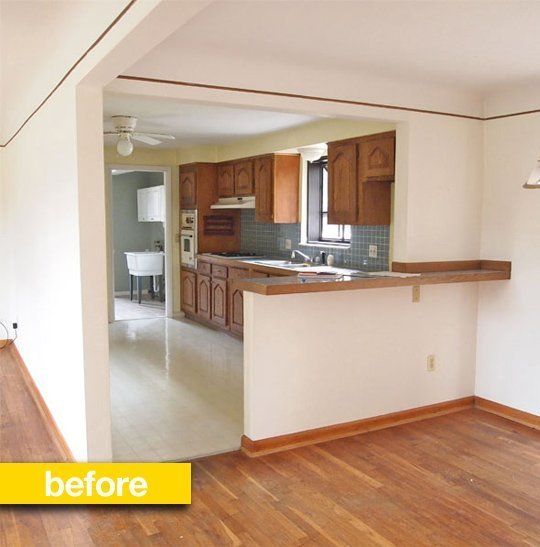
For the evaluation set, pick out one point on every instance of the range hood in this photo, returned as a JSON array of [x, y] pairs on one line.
[[247, 202]]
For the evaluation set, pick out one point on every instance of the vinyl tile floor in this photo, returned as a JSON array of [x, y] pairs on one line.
[[176, 390], [125, 309]]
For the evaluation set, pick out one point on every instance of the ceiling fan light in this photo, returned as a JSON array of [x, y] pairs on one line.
[[124, 146]]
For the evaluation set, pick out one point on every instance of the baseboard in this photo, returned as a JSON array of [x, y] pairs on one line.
[[513, 414], [50, 423], [348, 429]]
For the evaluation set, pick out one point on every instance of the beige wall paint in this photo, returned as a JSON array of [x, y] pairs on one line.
[[326, 130]]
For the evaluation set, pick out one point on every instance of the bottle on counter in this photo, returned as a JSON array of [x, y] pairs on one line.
[[322, 254], [330, 260]]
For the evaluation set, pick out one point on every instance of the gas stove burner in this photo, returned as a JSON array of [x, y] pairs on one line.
[[231, 254]]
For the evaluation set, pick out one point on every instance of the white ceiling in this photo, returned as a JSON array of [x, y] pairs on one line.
[[195, 124], [477, 45]]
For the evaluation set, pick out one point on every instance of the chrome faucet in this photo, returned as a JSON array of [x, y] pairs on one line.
[[305, 256]]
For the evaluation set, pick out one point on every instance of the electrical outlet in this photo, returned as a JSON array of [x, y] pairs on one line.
[[373, 251], [430, 363], [416, 293], [288, 244]]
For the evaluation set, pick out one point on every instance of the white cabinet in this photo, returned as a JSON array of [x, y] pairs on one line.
[[151, 204]]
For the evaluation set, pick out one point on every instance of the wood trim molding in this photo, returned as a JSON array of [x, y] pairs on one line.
[[348, 429], [50, 423], [70, 70], [442, 266], [452, 266], [513, 414], [323, 99], [295, 96]]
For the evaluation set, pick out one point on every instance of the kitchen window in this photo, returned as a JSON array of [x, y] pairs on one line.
[[318, 229]]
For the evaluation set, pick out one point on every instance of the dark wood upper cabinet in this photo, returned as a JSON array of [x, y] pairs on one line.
[[243, 178], [219, 301], [188, 281], [264, 189], [277, 188], [342, 183], [225, 180], [188, 189], [360, 173], [204, 296], [377, 158]]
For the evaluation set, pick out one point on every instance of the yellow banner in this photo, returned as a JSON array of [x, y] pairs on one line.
[[95, 483]]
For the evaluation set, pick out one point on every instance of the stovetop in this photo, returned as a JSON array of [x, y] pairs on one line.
[[232, 254]]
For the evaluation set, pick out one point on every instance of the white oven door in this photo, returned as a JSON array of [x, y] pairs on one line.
[[187, 253]]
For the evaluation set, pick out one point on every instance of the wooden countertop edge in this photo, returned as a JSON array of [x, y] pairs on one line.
[[438, 278]]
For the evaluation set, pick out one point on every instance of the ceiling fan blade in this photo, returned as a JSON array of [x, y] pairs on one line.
[[161, 136], [145, 138], [110, 133]]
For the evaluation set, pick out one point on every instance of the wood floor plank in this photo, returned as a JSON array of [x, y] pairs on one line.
[[468, 478]]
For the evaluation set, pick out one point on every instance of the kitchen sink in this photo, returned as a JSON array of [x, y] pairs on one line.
[[281, 264]]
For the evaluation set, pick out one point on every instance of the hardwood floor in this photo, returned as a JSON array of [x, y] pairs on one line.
[[469, 478]]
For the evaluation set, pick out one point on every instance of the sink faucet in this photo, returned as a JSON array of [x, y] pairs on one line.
[[297, 252]]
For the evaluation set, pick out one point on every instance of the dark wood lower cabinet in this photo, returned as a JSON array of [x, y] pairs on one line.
[[211, 295], [204, 296], [219, 302], [188, 281], [236, 309]]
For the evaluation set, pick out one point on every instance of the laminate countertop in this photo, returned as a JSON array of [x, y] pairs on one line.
[[430, 273]]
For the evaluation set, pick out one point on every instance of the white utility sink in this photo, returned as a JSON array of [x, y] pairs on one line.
[[145, 263]]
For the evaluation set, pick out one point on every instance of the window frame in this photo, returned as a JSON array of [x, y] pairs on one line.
[[315, 211]]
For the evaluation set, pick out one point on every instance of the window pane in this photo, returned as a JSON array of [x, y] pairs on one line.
[[329, 231], [324, 190]]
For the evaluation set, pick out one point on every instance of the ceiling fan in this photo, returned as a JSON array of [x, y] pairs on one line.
[[124, 129]]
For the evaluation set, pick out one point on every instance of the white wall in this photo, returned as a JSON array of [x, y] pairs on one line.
[[41, 202], [438, 189], [39, 41], [54, 233], [318, 359], [508, 361]]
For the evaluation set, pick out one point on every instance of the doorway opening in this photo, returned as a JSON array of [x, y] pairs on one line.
[[139, 243]]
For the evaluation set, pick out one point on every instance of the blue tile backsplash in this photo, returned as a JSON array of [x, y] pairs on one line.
[[269, 240]]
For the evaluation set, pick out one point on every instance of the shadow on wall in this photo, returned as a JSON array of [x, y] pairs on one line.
[[128, 233]]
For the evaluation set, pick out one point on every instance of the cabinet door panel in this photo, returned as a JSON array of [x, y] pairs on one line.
[[226, 180], [219, 301], [243, 178], [236, 310], [342, 184], [377, 159], [204, 296], [188, 190], [189, 291], [142, 205], [264, 190]]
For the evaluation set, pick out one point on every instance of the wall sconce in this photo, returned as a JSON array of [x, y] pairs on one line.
[[534, 178]]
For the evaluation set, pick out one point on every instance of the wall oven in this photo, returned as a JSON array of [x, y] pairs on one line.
[[188, 238]]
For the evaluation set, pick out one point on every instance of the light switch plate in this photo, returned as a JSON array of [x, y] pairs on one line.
[[416, 293], [373, 251], [288, 244]]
